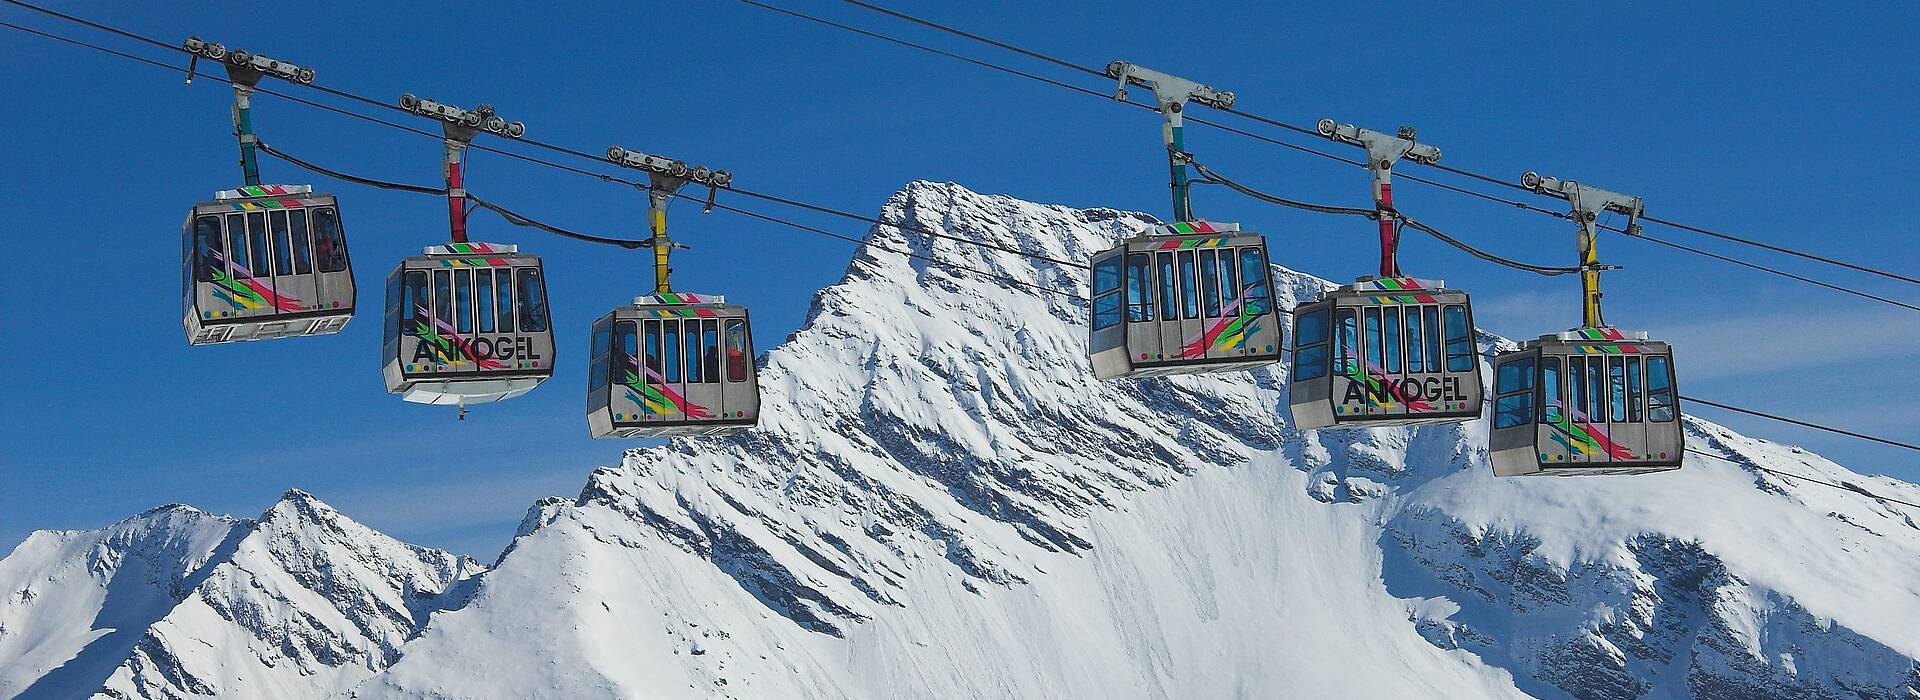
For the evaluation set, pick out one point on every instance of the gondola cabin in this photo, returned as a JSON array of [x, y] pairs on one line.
[[1588, 401], [1183, 298], [467, 323], [672, 364], [1384, 351], [263, 262]]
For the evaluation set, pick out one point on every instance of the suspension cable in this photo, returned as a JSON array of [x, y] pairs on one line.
[[1804, 424], [520, 220], [610, 178], [1483, 255], [998, 44], [1843, 486], [1782, 273], [337, 175], [1215, 177], [510, 216], [539, 161], [1311, 132]]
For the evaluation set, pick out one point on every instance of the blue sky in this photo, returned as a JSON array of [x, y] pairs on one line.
[[1780, 121]]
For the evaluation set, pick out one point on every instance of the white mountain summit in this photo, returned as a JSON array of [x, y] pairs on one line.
[[942, 502]]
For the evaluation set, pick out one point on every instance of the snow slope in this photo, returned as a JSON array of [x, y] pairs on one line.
[[178, 603], [73, 604], [942, 502]]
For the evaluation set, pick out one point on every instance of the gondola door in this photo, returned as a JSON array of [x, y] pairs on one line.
[[1666, 441], [1171, 294], [248, 285], [291, 265], [1558, 435], [1376, 383], [1626, 417], [1143, 334], [211, 294], [636, 361], [319, 242], [1192, 310], [700, 357], [1586, 430]]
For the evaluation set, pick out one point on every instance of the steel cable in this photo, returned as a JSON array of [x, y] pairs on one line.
[[1313, 132], [608, 178]]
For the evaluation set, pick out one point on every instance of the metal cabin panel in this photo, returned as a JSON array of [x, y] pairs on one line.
[[1107, 341], [664, 382], [253, 274], [1209, 328], [442, 350], [1310, 386], [1139, 314]]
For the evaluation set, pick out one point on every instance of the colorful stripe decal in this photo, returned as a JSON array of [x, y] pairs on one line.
[[247, 292], [1228, 332], [1608, 349], [273, 204], [1575, 433], [474, 262], [262, 190], [657, 397], [1396, 284], [473, 249], [1185, 227], [1192, 243]]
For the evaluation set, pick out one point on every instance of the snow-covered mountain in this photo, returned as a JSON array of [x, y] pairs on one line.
[[176, 603], [942, 502]]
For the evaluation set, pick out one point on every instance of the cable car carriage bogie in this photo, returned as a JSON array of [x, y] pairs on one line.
[[670, 365], [467, 322], [1593, 400], [674, 363], [1389, 349], [263, 262], [1183, 298]]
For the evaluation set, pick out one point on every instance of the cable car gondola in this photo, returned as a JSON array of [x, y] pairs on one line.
[[674, 363], [262, 261], [466, 322], [1183, 298], [1593, 400], [670, 365], [1187, 297], [1385, 350], [265, 261]]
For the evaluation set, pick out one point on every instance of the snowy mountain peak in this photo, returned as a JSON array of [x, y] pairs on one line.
[[936, 466], [185, 603], [941, 501]]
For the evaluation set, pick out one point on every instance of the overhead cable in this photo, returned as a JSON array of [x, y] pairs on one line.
[[818, 208], [1297, 129]]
